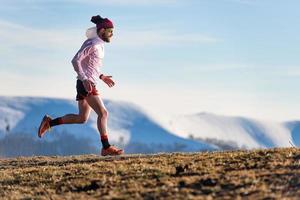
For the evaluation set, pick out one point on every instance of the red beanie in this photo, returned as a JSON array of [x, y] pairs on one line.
[[102, 22], [106, 23]]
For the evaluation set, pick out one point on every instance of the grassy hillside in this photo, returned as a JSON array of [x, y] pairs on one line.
[[259, 174]]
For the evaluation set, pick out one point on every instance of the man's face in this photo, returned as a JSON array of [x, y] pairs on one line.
[[106, 34]]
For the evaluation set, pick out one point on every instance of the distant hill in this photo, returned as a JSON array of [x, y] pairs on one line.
[[133, 129], [239, 132], [129, 127], [294, 128]]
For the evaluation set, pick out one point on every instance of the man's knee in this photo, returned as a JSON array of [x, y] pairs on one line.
[[104, 113]]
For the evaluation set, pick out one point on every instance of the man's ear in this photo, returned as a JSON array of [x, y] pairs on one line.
[[101, 31]]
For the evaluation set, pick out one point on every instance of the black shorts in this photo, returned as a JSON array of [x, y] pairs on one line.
[[82, 93]]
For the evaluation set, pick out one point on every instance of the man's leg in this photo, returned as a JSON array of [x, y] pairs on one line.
[[98, 106], [81, 117]]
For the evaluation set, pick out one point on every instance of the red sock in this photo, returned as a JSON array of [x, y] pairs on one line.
[[104, 141], [57, 121]]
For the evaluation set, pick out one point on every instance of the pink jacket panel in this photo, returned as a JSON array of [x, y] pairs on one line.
[[89, 59]]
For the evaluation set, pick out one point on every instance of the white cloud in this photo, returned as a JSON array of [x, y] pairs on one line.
[[53, 85], [21, 5], [36, 51], [245, 2], [129, 2], [173, 99], [292, 71], [196, 68], [14, 35], [277, 70], [269, 70], [161, 37], [34, 4], [159, 100]]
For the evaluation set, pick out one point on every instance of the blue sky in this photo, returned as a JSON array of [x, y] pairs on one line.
[[229, 57]]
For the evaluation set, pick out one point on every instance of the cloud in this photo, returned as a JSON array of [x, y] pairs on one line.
[[170, 99], [18, 4], [269, 70], [52, 84], [196, 68], [245, 2], [277, 70], [161, 37], [129, 2], [33, 51], [292, 71], [14, 35]]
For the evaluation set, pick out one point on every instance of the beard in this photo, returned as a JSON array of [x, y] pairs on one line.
[[105, 38]]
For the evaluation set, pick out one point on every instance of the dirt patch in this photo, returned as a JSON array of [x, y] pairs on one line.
[[259, 174]]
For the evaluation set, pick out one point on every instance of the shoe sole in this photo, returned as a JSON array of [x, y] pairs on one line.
[[39, 132], [113, 154]]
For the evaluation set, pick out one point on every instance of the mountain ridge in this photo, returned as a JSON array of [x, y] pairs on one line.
[[129, 126], [139, 132]]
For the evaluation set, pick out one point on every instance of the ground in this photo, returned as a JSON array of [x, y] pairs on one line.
[[256, 174]]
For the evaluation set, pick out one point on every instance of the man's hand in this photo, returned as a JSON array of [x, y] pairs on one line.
[[108, 80], [87, 85]]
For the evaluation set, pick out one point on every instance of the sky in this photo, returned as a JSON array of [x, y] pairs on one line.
[[170, 57]]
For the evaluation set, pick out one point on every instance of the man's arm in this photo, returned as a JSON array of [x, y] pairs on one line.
[[76, 61]]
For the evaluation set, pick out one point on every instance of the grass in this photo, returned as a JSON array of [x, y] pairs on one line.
[[257, 174]]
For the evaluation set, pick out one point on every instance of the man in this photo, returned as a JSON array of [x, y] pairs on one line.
[[86, 63]]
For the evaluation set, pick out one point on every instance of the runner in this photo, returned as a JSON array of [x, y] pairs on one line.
[[86, 63]]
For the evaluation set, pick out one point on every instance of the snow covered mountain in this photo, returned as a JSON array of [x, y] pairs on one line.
[[129, 127], [294, 128], [132, 128], [240, 132]]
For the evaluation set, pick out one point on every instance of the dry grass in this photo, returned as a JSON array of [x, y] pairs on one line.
[[259, 174]]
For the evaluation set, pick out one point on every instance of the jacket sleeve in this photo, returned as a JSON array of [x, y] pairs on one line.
[[76, 61]]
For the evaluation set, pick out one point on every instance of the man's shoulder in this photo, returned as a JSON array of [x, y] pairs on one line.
[[96, 41], [93, 42]]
